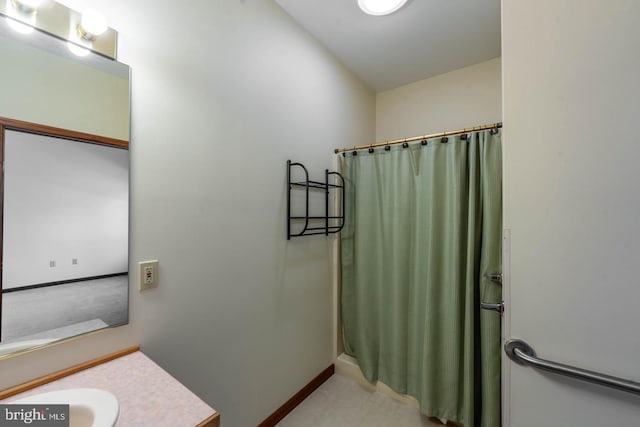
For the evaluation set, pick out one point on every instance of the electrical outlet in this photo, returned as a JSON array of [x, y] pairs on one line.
[[147, 274], [52, 263], [74, 261]]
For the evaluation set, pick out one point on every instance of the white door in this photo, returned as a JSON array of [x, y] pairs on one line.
[[571, 89]]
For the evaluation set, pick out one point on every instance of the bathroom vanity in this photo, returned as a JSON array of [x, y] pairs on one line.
[[147, 395]]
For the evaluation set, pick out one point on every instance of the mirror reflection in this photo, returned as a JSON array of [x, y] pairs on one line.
[[65, 237], [64, 129]]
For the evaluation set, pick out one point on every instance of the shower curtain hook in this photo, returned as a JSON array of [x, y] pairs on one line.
[[371, 150], [354, 152], [387, 147], [405, 144], [444, 138]]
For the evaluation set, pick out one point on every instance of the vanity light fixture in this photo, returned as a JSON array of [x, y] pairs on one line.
[[21, 15], [86, 32], [92, 24], [380, 7]]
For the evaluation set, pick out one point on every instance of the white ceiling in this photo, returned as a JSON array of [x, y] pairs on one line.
[[423, 39]]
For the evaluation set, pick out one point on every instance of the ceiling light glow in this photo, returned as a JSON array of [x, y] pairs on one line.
[[380, 7]]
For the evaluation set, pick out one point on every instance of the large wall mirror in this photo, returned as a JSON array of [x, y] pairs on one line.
[[64, 131]]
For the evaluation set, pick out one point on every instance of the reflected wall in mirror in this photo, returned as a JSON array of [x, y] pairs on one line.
[[64, 130], [64, 237], [43, 82]]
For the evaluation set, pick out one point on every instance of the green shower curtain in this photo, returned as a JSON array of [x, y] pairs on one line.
[[423, 229]]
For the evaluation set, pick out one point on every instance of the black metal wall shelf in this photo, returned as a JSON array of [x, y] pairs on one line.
[[326, 224]]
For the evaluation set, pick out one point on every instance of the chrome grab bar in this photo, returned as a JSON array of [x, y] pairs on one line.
[[522, 353]]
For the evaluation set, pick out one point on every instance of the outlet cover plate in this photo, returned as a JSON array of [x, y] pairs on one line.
[[147, 274]]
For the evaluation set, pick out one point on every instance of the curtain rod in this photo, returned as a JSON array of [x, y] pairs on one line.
[[419, 138]]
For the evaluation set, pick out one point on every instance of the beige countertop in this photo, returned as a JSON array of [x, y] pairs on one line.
[[147, 394]]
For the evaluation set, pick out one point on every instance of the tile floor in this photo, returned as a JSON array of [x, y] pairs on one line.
[[341, 402]]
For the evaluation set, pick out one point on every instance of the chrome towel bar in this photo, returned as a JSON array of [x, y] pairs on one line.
[[522, 353]]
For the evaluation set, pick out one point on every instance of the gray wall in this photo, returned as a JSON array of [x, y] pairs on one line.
[[223, 94], [63, 200]]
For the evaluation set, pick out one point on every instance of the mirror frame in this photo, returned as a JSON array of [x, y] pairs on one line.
[[35, 128]]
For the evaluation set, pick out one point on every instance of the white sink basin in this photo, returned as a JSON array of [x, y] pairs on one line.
[[88, 407]]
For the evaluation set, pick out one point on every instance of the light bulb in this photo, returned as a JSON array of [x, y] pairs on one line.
[[380, 7], [93, 23]]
